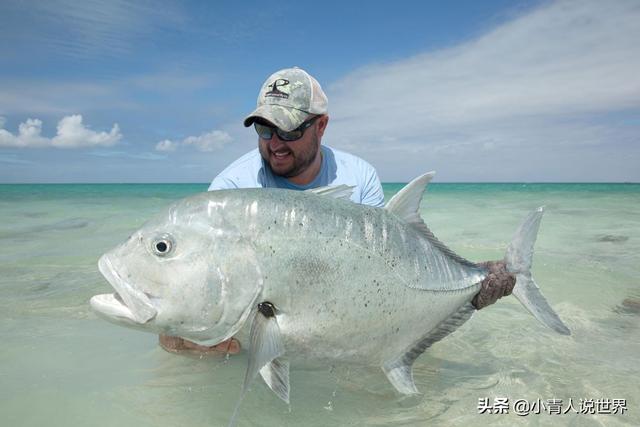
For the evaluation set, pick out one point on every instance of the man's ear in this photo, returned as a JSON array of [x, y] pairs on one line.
[[322, 125]]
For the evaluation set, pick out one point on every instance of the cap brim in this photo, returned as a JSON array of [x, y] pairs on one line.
[[285, 118]]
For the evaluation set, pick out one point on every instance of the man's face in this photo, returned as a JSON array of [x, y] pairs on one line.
[[291, 158]]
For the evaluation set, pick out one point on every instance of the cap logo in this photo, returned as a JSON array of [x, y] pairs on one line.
[[275, 92]]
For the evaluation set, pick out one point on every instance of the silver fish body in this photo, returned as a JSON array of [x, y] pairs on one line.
[[305, 276], [349, 282]]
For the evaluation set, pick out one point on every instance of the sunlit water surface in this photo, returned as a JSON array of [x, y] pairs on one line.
[[60, 365]]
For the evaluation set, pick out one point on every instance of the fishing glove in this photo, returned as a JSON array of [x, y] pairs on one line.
[[498, 283]]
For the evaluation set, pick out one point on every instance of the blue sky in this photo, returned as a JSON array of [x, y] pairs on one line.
[[478, 91]]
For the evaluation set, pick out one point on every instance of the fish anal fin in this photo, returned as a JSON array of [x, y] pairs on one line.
[[401, 377], [399, 370]]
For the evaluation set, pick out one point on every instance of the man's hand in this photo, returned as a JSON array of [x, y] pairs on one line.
[[498, 283], [180, 345]]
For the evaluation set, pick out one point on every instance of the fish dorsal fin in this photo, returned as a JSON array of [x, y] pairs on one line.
[[405, 204], [399, 370], [341, 191]]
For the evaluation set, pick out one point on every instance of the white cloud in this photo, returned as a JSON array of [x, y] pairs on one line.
[[28, 135], [71, 133], [544, 79], [210, 141], [166, 145]]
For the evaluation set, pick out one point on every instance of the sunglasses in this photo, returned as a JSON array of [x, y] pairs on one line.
[[266, 131]]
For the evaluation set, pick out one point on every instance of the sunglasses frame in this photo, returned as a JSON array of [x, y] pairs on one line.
[[284, 135]]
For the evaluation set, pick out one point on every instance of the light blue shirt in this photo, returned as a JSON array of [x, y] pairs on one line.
[[338, 167]]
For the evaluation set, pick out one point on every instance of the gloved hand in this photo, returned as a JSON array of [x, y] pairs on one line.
[[498, 283], [180, 345]]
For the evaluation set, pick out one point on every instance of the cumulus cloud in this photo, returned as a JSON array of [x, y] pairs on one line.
[[166, 145], [71, 133], [556, 76], [210, 141]]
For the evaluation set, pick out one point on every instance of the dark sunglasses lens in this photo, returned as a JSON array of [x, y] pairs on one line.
[[264, 132], [289, 136]]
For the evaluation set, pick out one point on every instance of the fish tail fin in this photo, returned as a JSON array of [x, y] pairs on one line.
[[518, 259]]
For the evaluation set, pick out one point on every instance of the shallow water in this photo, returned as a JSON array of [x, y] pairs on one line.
[[62, 366]]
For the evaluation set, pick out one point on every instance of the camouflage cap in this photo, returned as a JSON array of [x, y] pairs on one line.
[[287, 98]]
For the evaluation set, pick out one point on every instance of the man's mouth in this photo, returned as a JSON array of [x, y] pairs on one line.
[[280, 154]]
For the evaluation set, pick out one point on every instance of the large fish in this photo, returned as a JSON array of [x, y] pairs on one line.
[[305, 275]]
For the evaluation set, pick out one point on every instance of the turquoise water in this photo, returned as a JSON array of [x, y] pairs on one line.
[[62, 366]]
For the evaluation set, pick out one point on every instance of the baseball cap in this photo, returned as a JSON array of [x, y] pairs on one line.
[[287, 98]]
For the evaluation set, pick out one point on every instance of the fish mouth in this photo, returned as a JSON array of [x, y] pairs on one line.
[[127, 303]]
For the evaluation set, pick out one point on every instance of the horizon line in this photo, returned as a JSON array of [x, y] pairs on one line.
[[383, 182]]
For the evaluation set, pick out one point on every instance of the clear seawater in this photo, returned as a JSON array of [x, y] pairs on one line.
[[60, 365]]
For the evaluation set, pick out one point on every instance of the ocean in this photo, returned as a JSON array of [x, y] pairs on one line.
[[60, 365]]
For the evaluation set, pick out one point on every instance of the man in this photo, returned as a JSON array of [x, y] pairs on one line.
[[290, 120]]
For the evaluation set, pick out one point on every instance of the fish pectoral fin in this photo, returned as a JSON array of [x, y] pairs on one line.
[[265, 346], [341, 191], [399, 370], [276, 375]]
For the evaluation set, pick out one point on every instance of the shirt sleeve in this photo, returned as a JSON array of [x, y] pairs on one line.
[[372, 193], [239, 174], [221, 183]]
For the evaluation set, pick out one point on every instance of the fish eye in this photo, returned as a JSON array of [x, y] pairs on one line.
[[162, 246]]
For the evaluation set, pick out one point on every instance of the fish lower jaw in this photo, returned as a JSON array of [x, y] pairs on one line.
[[113, 307], [130, 303]]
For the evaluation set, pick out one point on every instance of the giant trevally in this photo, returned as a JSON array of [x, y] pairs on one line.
[[305, 275]]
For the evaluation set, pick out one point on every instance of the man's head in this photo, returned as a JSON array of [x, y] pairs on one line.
[[290, 118]]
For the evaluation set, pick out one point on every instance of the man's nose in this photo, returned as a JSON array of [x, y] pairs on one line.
[[276, 142]]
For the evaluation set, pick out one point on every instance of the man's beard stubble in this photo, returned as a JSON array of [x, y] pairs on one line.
[[301, 161]]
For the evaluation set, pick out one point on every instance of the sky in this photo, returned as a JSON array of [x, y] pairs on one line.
[[156, 91]]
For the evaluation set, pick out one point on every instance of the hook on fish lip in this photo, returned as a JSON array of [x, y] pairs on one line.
[[127, 301]]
